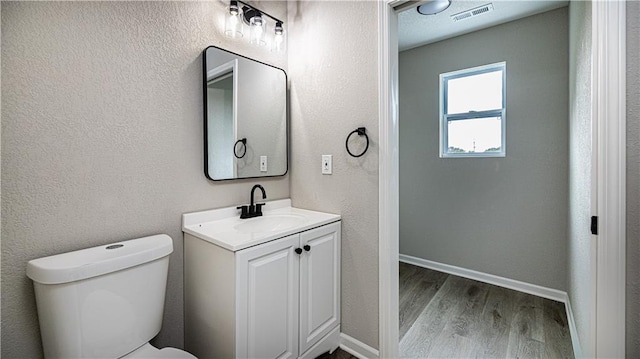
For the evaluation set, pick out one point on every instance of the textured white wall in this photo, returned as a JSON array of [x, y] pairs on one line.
[[102, 137], [578, 231], [334, 86], [504, 216], [633, 179]]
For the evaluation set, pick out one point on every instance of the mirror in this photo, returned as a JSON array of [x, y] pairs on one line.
[[245, 117]]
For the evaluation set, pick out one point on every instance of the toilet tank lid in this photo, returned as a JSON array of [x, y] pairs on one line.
[[92, 262]]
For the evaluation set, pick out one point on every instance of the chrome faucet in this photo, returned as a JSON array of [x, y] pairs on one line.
[[253, 210]]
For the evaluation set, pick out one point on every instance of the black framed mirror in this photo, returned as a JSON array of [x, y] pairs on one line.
[[245, 117]]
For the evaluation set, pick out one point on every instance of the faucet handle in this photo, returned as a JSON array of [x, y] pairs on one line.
[[259, 209], [244, 211]]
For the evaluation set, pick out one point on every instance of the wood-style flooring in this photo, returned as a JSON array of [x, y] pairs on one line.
[[446, 316], [337, 354]]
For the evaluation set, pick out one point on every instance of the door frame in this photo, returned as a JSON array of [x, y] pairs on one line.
[[607, 337], [607, 334]]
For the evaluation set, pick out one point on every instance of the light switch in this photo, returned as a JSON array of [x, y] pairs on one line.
[[326, 165], [263, 163]]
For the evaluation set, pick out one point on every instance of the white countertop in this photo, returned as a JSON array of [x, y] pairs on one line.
[[223, 227]]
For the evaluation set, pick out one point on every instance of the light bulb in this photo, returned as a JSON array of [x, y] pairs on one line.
[[278, 38], [256, 25], [233, 8], [278, 28], [233, 22]]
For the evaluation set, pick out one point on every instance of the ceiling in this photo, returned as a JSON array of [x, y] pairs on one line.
[[416, 30]]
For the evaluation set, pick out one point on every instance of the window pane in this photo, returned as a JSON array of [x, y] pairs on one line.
[[475, 93], [475, 135]]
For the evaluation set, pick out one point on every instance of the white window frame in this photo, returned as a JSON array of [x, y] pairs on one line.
[[446, 117]]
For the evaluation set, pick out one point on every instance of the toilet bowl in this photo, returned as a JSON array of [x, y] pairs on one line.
[[104, 302], [148, 351]]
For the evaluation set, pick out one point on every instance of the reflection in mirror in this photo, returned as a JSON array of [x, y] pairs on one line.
[[245, 117]]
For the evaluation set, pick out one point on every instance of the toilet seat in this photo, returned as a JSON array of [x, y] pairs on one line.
[[148, 351]]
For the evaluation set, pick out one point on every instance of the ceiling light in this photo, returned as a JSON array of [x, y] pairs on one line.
[[433, 7]]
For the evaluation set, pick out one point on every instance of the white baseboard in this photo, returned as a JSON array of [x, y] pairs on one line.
[[534, 289], [575, 340], [357, 348]]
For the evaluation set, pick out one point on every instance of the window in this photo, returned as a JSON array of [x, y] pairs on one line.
[[472, 112]]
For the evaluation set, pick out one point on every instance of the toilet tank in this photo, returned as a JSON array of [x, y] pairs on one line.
[[101, 302]]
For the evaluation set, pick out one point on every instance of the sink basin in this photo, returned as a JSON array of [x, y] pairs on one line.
[[224, 228], [269, 223]]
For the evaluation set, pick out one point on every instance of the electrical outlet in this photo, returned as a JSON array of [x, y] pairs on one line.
[[263, 163], [326, 165]]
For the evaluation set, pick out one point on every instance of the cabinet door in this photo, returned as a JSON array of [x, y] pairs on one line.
[[267, 300], [319, 283]]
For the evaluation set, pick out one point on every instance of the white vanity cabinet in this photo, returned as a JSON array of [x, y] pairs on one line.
[[278, 299]]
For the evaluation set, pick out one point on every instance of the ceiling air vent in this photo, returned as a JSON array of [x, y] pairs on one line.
[[472, 13]]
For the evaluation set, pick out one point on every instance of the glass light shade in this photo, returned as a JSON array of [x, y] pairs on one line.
[[233, 24], [279, 43], [256, 26]]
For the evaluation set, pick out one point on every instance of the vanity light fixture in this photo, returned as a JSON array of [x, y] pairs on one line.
[[256, 20], [434, 7]]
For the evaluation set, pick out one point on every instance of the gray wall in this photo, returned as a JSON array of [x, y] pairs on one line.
[[578, 230], [102, 137], [504, 216], [334, 88], [633, 179]]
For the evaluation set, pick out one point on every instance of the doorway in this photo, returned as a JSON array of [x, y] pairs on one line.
[[484, 125], [610, 329]]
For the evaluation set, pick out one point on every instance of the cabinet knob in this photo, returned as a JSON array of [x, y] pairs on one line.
[[298, 250], [307, 247]]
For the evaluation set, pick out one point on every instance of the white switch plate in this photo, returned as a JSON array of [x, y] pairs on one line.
[[327, 166], [263, 163]]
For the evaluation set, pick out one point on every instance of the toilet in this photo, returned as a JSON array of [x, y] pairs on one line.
[[104, 302]]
